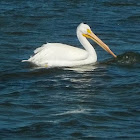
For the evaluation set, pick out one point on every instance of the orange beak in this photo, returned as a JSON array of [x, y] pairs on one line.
[[92, 36]]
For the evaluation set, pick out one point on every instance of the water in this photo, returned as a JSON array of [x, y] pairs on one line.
[[94, 101]]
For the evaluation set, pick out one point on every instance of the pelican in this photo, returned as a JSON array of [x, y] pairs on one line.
[[62, 55]]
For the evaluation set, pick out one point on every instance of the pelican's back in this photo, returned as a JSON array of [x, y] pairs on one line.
[[57, 52]]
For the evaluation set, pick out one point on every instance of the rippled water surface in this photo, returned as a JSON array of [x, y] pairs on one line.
[[94, 101]]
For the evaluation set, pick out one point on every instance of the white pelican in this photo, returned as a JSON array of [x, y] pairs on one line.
[[62, 55]]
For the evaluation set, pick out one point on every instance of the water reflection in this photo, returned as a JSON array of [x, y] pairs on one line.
[[82, 69]]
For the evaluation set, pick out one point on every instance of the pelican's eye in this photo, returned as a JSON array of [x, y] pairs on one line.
[[88, 30]]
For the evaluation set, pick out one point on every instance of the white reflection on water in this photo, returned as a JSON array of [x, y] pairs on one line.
[[82, 69]]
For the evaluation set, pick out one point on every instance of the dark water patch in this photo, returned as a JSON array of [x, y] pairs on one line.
[[29, 130], [128, 59], [122, 4], [135, 18], [76, 134], [129, 21], [29, 24], [16, 33], [32, 71]]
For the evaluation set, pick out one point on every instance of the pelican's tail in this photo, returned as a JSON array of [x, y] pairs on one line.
[[25, 61]]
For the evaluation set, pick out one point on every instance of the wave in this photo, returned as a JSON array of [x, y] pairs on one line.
[[76, 111], [125, 59]]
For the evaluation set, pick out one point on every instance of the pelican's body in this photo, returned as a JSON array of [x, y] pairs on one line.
[[62, 55], [58, 55]]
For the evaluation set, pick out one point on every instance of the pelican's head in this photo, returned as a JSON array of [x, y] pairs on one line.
[[85, 30]]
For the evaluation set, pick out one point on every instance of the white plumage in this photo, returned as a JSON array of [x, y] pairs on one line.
[[62, 55]]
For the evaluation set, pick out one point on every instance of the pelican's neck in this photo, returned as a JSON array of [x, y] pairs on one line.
[[85, 43]]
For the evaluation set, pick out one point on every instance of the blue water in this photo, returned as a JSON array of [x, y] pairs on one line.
[[94, 101]]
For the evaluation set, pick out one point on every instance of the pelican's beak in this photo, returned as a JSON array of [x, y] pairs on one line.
[[92, 36]]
